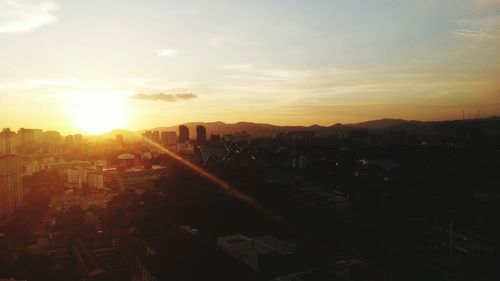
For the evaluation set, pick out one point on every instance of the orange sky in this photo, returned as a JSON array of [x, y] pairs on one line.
[[80, 66]]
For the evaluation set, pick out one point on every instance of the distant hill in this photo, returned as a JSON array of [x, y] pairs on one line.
[[487, 125], [257, 129], [128, 135], [382, 124]]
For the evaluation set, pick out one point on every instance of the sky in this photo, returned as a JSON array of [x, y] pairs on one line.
[[91, 66]]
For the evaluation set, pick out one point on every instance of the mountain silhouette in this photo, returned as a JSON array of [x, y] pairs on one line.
[[488, 125]]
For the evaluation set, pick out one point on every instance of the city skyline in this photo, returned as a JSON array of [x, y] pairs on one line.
[[229, 128], [87, 67], [258, 140]]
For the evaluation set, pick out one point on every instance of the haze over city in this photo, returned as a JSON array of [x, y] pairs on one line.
[[95, 66]]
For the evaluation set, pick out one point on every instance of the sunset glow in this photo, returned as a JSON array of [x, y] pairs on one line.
[[249, 140], [97, 112], [298, 64]]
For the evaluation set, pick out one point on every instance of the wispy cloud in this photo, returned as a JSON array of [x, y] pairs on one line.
[[478, 29], [51, 82], [239, 67], [35, 84], [142, 81], [167, 53], [165, 97], [250, 71], [23, 16]]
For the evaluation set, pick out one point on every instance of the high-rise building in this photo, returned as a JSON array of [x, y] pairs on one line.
[[147, 135], [214, 139], [78, 139], [11, 188], [168, 138], [30, 136], [69, 140], [51, 137], [201, 135], [156, 136], [8, 141], [183, 133]]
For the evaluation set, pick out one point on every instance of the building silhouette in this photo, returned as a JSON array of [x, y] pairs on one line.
[[183, 133], [215, 139], [168, 138], [201, 135], [11, 188], [69, 140], [78, 139], [147, 135], [156, 136], [51, 137], [30, 136], [8, 141]]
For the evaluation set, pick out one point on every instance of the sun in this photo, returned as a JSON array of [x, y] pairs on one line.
[[97, 112]]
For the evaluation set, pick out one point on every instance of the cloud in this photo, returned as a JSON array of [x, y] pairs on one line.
[[142, 81], [24, 16], [51, 82], [478, 29], [35, 84], [165, 97], [247, 71], [239, 67], [167, 53]]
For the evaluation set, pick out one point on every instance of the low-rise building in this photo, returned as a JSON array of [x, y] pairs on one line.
[[260, 253], [139, 179], [95, 179], [30, 168]]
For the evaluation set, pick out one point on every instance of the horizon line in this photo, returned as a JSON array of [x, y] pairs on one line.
[[259, 123]]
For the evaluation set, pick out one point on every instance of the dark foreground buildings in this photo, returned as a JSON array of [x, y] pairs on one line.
[[359, 204]]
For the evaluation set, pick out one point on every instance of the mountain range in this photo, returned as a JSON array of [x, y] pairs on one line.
[[488, 126]]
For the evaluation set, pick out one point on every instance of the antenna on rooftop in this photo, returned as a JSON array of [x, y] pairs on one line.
[[477, 114], [451, 233]]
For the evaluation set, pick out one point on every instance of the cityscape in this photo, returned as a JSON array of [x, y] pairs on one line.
[[368, 202], [238, 140]]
